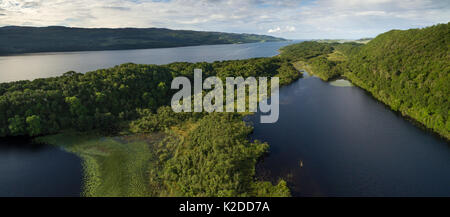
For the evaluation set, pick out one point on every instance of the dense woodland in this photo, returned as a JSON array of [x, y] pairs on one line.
[[189, 154], [407, 70], [17, 39], [211, 157], [103, 99], [214, 158], [218, 160]]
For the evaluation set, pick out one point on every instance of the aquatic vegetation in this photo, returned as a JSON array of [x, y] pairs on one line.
[[341, 83], [208, 155], [112, 166]]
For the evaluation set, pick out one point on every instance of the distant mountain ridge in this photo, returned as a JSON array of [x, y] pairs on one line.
[[23, 39]]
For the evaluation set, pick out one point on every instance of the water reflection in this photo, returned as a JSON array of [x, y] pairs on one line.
[[29, 169], [350, 145], [41, 65]]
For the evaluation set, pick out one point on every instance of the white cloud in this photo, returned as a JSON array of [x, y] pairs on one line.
[[290, 29], [286, 18], [282, 30], [278, 29], [370, 13]]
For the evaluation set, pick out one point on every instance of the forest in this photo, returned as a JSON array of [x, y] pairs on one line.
[[23, 39], [103, 99], [182, 154], [200, 154], [408, 70]]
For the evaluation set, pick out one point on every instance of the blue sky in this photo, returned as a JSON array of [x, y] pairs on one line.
[[294, 19]]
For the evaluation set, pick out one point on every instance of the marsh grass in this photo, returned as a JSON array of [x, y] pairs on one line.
[[113, 166], [193, 158]]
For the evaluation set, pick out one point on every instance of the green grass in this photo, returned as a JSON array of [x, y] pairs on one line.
[[337, 56], [113, 166], [304, 66]]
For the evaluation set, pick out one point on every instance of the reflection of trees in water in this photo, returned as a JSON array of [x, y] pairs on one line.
[[23, 144]]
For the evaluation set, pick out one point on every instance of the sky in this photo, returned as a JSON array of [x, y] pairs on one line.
[[292, 19]]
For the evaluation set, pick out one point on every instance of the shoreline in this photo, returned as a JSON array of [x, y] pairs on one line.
[[121, 49]]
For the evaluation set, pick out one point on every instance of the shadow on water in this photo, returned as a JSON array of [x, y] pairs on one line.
[[339, 141], [30, 169]]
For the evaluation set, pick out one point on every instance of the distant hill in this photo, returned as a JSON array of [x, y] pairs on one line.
[[362, 40], [17, 39]]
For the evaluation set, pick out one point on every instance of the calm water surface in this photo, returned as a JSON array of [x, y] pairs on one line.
[[41, 65], [28, 169], [350, 144]]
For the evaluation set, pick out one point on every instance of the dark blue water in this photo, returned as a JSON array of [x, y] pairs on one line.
[[33, 170], [350, 145]]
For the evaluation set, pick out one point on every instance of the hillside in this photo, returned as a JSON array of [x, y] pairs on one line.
[[408, 70], [16, 39]]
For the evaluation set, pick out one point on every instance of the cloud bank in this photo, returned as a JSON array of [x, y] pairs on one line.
[[304, 19]]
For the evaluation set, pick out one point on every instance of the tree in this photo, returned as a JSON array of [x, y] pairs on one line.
[[17, 126], [34, 125]]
